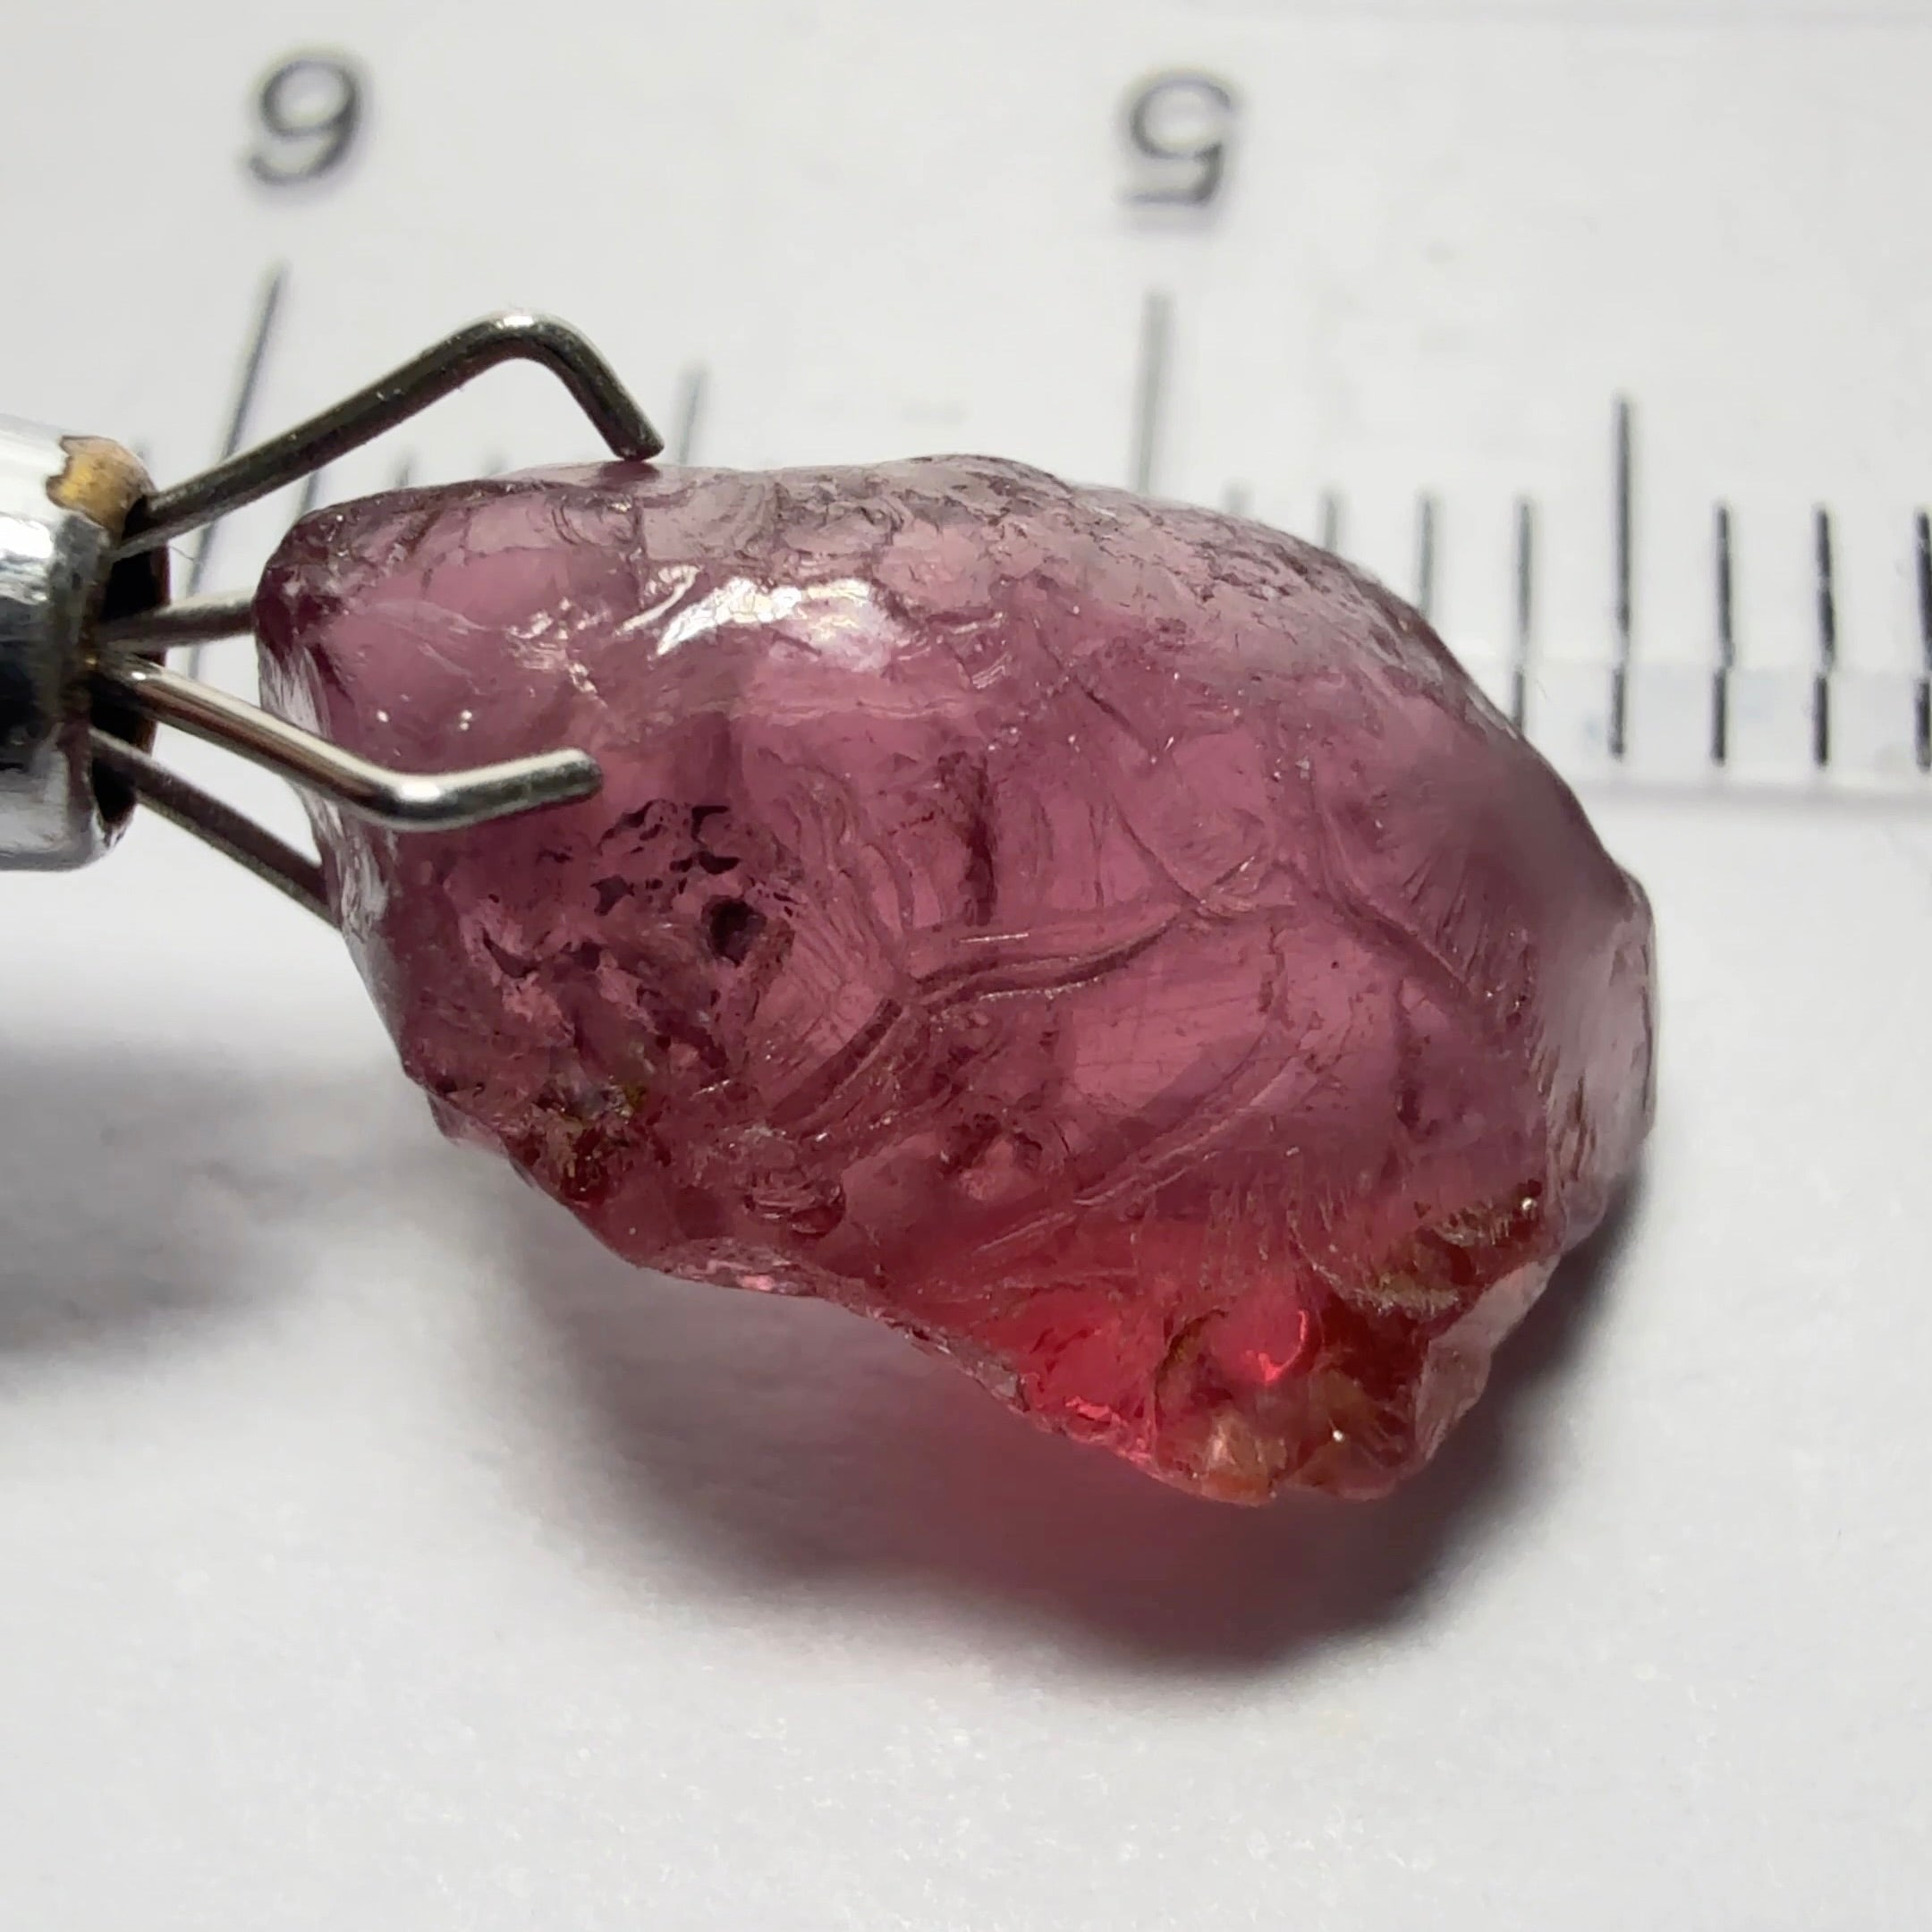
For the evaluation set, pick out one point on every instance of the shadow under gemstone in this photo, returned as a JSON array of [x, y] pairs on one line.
[[142, 1196], [791, 1444], [775, 1443]]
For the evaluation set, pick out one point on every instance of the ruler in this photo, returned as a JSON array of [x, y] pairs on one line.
[[1593, 328], [1620, 716]]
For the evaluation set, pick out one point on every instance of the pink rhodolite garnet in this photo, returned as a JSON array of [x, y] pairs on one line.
[[1112, 942]]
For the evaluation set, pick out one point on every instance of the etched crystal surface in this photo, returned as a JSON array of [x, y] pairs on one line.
[[1111, 942]]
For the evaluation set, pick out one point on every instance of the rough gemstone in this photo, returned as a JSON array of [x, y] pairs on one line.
[[1111, 942]]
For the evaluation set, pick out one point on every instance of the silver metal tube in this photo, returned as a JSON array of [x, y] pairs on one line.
[[61, 502]]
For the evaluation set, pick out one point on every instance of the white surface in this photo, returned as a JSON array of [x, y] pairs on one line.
[[376, 1552], [379, 1553]]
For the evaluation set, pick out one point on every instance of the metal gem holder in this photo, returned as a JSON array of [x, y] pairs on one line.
[[86, 626]]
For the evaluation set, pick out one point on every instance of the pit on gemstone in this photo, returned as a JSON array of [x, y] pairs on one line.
[[1111, 942]]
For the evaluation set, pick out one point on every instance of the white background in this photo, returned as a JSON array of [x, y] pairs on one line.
[[375, 1552]]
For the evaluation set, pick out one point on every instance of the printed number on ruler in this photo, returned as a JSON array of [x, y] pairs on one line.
[[309, 111], [1180, 129]]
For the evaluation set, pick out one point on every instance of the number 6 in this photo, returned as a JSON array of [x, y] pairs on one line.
[[309, 108], [1183, 122]]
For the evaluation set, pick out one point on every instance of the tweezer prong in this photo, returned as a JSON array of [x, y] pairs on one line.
[[169, 796], [171, 626], [407, 801], [165, 514], [124, 654]]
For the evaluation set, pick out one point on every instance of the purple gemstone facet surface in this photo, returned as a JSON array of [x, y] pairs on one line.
[[1112, 942]]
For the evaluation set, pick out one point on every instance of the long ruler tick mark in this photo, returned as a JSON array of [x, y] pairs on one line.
[[1426, 556], [1331, 521], [690, 410], [1923, 697], [1722, 562], [1625, 568], [248, 380], [1525, 614], [1150, 388], [1827, 640]]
